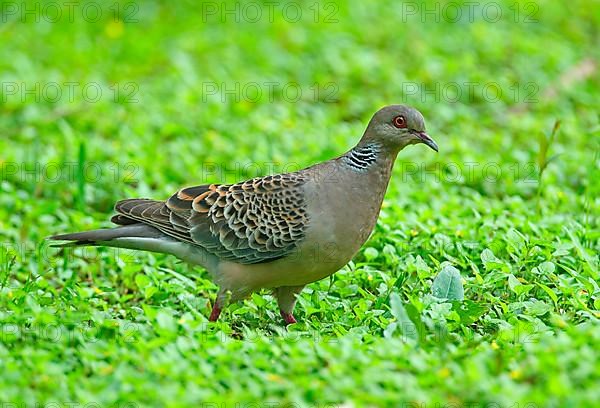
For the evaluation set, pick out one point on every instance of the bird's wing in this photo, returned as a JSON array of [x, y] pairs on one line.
[[254, 221]]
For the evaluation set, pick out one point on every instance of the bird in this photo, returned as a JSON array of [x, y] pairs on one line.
[[278, 232]]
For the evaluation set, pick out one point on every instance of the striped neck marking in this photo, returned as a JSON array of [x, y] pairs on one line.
[[361, 157]]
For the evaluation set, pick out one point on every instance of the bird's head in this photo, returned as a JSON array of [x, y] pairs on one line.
[[397, 126]]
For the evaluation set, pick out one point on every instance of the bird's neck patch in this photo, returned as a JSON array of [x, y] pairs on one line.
[[362, 157]]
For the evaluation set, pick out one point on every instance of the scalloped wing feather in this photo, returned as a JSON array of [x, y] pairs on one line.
[[258, 220]]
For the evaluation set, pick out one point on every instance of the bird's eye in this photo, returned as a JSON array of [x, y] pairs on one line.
[[399, 122]]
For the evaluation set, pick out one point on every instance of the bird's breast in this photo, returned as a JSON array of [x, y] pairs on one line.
[[343, 210]]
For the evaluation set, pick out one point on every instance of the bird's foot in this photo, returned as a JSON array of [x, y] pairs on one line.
[[215, 313], [288, 317]]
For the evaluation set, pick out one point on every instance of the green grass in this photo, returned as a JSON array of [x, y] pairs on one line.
[[511, 202]]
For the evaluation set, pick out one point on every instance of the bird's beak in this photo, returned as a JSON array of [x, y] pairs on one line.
[[426, 139]]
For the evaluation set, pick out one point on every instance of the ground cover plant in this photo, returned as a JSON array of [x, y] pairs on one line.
[[479, 286]]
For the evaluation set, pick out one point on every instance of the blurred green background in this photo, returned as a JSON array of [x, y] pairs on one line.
[[101, 101]]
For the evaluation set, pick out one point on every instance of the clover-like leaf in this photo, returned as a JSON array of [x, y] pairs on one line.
[[448, 284]]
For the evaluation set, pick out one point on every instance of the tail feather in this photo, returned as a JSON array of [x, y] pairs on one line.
[[105, 235], [139, 237]]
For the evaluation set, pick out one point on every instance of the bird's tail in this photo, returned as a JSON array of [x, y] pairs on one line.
[[140, 237], [106, 236]]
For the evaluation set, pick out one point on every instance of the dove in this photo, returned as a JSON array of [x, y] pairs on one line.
[[278, 232]]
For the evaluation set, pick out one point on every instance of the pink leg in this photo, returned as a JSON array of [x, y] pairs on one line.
[[288, 317], [214, 314], [286, 299], [220, 302]]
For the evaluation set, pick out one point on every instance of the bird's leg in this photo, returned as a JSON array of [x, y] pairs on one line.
[[288, 317], [215, 313], [220, 302], [286, 299]]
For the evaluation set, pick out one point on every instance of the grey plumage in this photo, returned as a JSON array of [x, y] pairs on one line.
[[281, 231]]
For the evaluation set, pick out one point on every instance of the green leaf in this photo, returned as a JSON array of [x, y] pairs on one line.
[[258, 300], [448, 284], [490, 261], [546, 268], [371, 253], [403, 322], [515, 240], [536, 307], [150, 291], [468, 311], [513, 282], [592, 262], [423, 270], [549, 291], [142, 280], [516, 286], [166, 321], [390, 329]]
